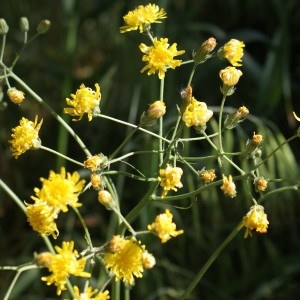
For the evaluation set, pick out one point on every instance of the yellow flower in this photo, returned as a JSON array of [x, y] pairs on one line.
[[63, 264], [95, 162], [84, 101], [127, 261], [196, 114], [255, 219], [207, 176], [90, 294], [170, 179], [41, 218], [260, 184], [163, 226], [230, 76], [60, 190], [160, 56], [233, 52], [228, 187], [15, 96], [141, 18], [25, 136]]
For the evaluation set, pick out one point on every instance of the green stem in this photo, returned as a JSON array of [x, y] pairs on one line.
[[3, 47], [134, 126], [208, 263], [61, 155], [220, 124]]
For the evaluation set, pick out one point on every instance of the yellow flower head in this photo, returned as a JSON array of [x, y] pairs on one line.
[[233, 52], [207, 176], [170, 179], [228, 187], [60, 190], [164, 227], [25, 136], [127, 261], [15, 96], [95, 162], [41, 218], [196, 114], [255, 219], [63, 264], [90, 294], [141, 18], [84, 101], [230, 76], [260, 184], [160, 56]]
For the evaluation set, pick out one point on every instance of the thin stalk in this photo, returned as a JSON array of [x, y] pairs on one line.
[[61, 155], [209, 262]]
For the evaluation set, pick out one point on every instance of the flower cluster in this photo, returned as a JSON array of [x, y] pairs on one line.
[[63, 264], [164, 227], [57, 193], [170, 179]]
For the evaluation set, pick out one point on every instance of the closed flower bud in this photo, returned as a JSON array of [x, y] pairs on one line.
[[204, 51], [236, 118], [148, 260], [156, 110], [24, 24], [43, 259], [253, 146], [15, 95], [105, 198], [43, 26], [3, 27], [97, 181], [230, 77]]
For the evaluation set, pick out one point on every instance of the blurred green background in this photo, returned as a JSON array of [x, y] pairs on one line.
[[84, 46]]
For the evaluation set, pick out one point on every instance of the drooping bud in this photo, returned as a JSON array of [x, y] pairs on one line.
[[24, 24], [43, 26], [3, 27]]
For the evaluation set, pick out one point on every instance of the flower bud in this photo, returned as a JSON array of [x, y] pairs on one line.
[[253, 146], [260, 184], [207, 175], [97, 181], [24, 24], [204, 51], [156, 110], [43, 259], [230, 77], [43, 26], [15, 96], [148, 260], [236, 118], [3, 27], [105, 198], [96, 162]]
